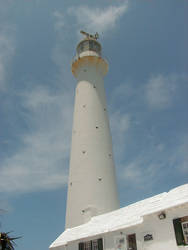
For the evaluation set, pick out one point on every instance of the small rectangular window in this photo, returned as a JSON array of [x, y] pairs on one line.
[[185, 231], [181, 230], [131, 242], [91, 245], [81, 246], [100, 244], [88, 245], [94, 245]]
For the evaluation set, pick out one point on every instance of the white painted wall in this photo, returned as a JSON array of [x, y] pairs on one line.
[[92, 188], [162, 231]]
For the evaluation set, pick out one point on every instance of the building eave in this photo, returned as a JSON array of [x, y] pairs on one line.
[[125, 217]]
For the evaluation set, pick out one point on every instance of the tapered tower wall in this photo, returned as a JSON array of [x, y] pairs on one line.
[[92, 188]]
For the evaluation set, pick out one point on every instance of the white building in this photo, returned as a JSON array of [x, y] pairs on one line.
[[93, 218], [156, 223]]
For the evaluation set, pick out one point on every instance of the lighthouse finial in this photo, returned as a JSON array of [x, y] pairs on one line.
[[89, 36]]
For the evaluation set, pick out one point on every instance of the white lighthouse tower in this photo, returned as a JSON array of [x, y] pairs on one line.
[[156, 223], [92, 186]]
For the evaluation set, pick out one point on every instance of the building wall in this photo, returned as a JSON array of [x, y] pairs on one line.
[[161, 230]]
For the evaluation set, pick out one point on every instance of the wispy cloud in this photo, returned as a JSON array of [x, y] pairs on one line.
[[42, 162], [180, 159], [97, 19], [140, 152], [120, 124], [145, 168], [153, 163], [7, 49], [139, 173], [160, 90], [60, 22]]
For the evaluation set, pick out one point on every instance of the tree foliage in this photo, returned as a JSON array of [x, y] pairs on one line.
[[7, 242]]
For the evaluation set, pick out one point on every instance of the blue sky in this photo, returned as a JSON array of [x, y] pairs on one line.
[[145, 43]]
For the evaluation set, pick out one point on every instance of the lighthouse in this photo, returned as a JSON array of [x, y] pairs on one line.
[[92, 188], [93, 218]]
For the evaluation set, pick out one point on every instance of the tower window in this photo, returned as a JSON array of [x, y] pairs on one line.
[[91, 245]]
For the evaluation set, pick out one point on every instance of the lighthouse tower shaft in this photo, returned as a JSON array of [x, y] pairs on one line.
[[92, 188]]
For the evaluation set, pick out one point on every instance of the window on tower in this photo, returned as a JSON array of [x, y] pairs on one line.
[[96, 244]]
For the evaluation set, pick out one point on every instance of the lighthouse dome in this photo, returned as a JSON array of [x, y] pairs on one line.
[[88, 52], [88, 47]]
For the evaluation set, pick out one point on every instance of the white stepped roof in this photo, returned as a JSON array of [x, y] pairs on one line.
[[124, 217]]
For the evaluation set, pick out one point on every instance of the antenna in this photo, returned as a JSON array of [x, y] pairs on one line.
[[96, 35], [89, 36]]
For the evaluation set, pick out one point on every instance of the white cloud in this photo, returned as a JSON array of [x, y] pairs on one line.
[[60, 22], [123, 91], [160, 91], [160, 147], [62, 49], [180, 158], [139, 172], [154, 163], [5, 6], [120, 124], [7, 50], [98, 19], [152, 155], [42, 162]]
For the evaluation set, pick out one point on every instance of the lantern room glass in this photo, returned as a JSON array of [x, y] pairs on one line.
[[89, 45]]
